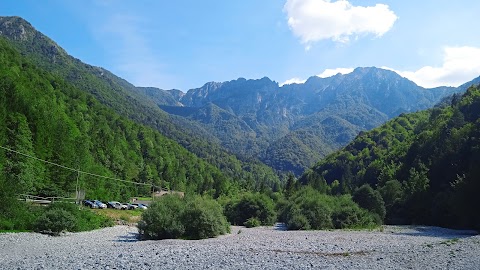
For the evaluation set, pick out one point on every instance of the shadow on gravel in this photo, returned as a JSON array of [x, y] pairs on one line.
[[437, 232], [130, 237]]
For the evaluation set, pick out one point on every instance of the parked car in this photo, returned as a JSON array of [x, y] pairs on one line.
[[110, 205], [100, 204], [90, 204], [117, 205], [140, 206], [132, 206]]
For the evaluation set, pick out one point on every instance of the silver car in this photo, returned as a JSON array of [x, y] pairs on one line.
[[118, 205]]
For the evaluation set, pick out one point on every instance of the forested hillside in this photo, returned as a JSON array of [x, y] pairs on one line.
[[47, 118], [128, 101], [425, 165]]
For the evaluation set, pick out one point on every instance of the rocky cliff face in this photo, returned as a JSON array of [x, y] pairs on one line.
[[292, 126]]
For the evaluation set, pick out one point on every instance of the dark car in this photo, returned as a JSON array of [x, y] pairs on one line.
[[100, 204], [110, 205], [90, 204]]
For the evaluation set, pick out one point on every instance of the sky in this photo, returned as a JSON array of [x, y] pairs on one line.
[[183, 44]]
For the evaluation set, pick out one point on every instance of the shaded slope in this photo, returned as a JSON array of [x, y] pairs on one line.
[[424, 164]]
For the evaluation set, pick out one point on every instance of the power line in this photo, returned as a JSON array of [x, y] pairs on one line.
[[78, 170]]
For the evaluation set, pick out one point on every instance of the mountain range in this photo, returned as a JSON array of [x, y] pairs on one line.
[[241, 125], [292, 126]]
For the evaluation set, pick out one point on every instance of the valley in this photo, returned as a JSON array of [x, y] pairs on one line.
[[345, 157]]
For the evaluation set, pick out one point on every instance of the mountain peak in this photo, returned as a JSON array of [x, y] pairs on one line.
[[16, 28], [21, 32]]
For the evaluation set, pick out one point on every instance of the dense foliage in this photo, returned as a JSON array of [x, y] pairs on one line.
[[54, 219], [424, 165], [16, 215], [175, 217], [370, 199], [45, 117], [309, 209], [250, 209]]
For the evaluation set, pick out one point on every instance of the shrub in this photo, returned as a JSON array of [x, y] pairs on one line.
[[85, 219], [162, 219], [203, 218], [371, 200], [281, 208], [310, 209], [20, 216], [175, 217], [317, 213], [55, 221], [252, 222], [6, 224], [251, 205], [346, 217], [294, 219], [298, 222]]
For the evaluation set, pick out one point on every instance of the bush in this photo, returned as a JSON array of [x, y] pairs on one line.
[[85, 219], [162, 219], [6, 224], [19, 216], [371, 200], [252, 222], [174, 217], [281, 208], [308, 213], [295, 220], [310, 209], [203, 218], [347, 217], [55, 221], [251, 205], [317, 213]]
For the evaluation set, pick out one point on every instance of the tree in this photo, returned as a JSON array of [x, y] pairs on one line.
[[371, 200], [20, 169], [418, 179]]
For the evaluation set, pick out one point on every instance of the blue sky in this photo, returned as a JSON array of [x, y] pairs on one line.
[[183, 44]]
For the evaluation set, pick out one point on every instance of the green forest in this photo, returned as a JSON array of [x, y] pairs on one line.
[[125, 100], [425, 165], [47, 118]]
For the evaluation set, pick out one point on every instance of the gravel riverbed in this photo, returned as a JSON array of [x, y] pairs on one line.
[[394, 247]]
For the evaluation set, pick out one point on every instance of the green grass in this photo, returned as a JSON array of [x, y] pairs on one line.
[[129, 216]]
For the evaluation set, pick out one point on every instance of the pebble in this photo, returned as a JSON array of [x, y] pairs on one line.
[[396, 247]]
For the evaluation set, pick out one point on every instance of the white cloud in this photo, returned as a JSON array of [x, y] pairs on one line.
[[460, 65], [332, 72], [292, 81], [326, 73], [314, 20]]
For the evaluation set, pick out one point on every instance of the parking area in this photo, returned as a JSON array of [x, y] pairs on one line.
[[97, 204]]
